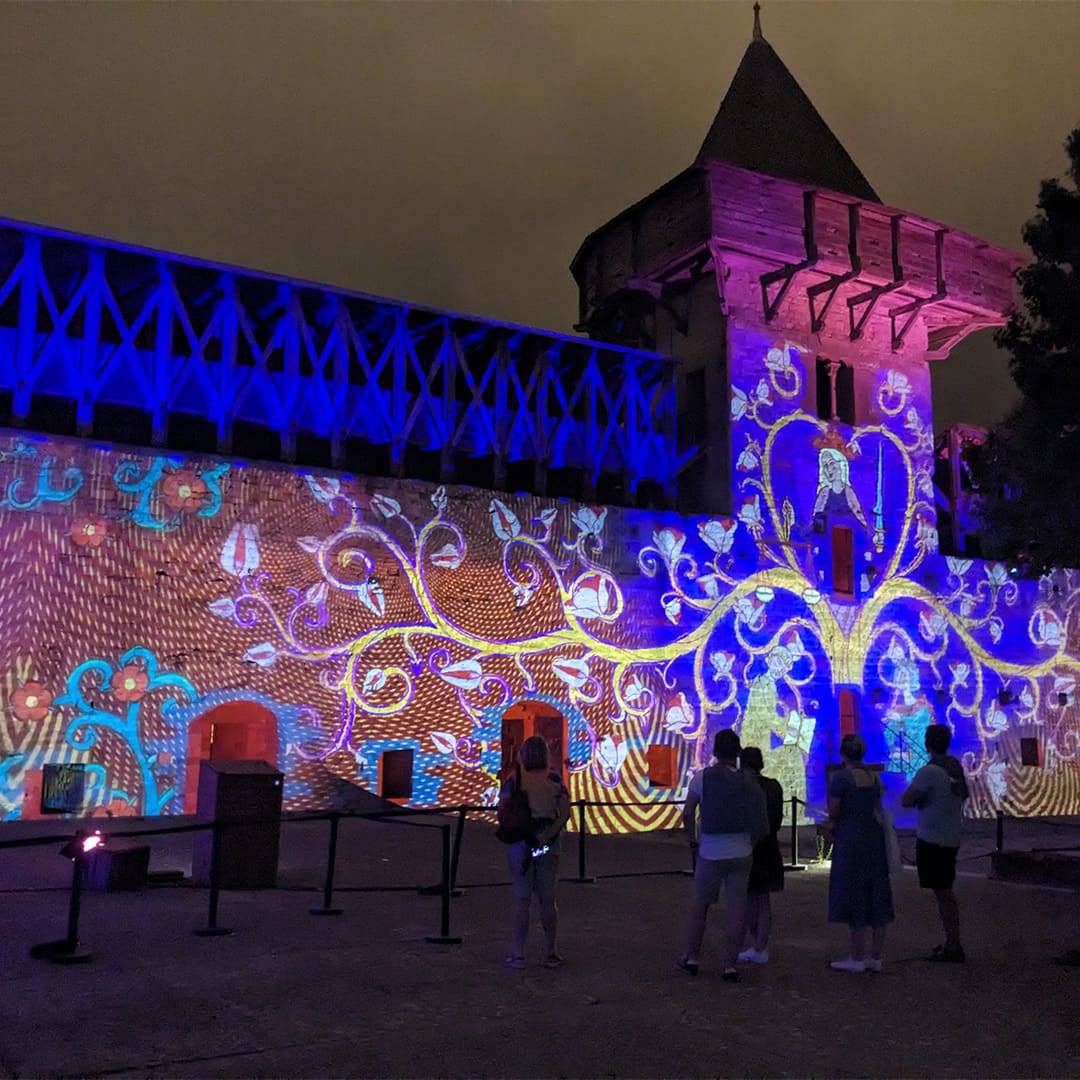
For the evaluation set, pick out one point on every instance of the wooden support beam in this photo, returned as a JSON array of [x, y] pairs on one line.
[[163, 363], [27, 333], [830, 287], [294, 325], [909, 312], [448, 359], [399, 399], [339, 387], [868, 300], [90, 348], [786, 275], [227, 389], [502, 409]]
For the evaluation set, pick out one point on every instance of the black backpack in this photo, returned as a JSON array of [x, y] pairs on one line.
[[515, 817]]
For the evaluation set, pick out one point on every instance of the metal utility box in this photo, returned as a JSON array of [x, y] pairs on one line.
[[245, 796], [118, 866]]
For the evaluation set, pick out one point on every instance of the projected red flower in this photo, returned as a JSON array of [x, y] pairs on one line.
[[116, 808], [88, 532], [31, 701], [184, 491], [130, 683]]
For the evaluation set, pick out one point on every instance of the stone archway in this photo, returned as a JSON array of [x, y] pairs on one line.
[[234, 731]]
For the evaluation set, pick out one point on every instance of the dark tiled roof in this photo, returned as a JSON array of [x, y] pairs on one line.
[[768, 124]]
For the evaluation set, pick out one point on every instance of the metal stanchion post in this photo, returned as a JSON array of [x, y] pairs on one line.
[[211, 929], [443, 937], [795, 864], [331, 860], [1000, 830], [582, 878], [66, 950], [436, 889], [455, 858]]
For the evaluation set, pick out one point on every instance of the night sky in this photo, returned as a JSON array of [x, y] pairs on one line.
[[456, 154]]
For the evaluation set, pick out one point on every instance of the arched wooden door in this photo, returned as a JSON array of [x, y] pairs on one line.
[[235, 731], [526, 718]]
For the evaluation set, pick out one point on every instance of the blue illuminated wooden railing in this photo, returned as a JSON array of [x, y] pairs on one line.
[[113, 342]]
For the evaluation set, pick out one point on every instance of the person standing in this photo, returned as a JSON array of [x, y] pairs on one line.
[[939, 789], [767, 864], [733, 819], [860, 893], [534, 863]]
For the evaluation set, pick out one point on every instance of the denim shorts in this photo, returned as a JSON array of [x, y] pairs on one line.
[[538, 876]]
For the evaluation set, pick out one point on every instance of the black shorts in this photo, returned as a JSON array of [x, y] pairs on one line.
[[937, 865]]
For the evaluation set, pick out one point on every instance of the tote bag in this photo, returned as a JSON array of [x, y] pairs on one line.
[[892, 844]]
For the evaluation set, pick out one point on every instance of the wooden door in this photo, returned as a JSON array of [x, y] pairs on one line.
[[513, 735], [551, 727], [395, 775], [228, 742]]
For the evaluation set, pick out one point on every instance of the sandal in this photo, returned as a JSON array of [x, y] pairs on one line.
[[517, 963], [689, 966], [942, 954], [552, 960]]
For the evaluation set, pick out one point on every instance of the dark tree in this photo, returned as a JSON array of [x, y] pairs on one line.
[[1029, 476]]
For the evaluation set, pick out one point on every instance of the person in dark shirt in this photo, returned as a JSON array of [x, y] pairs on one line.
[[767, 865]]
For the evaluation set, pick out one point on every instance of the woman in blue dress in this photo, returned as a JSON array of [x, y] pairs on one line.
[[860, 894]]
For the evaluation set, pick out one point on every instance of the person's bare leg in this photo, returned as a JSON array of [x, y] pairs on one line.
[[735, 925], [877, 942], [949, 910], [764, 922], [549, 916], [858, 943], [521, 924], [695, 929], [753, 910]]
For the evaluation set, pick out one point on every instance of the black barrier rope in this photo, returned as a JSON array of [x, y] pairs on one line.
[[67, 949]]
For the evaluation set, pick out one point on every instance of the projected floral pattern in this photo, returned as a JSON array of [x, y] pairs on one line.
[[373, 616]]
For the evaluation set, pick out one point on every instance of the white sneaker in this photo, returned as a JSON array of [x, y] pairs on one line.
[[753, 956], [849, 964], [872, 964]]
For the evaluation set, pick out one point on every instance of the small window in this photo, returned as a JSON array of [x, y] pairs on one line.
[[661, 762], [835, 391], [1030, 752], [843, 560], [849, 712], [395, 775]]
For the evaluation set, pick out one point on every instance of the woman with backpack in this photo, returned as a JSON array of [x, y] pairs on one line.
[[534, 858]]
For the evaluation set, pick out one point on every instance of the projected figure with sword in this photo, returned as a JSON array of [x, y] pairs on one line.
[[835, 493]]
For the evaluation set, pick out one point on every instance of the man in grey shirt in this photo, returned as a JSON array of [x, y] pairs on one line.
[[733, 819], [939, 790]]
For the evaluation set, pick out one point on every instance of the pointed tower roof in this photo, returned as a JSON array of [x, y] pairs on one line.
[[766, 123]]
